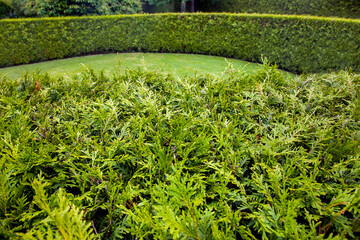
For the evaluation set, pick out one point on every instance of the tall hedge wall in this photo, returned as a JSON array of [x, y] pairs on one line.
[[298, 44], [330, 8]]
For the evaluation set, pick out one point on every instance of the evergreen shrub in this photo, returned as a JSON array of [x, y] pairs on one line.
[[143, 155], [295, 43]]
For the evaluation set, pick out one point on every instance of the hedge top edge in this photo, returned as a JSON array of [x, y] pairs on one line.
[[257, 15]]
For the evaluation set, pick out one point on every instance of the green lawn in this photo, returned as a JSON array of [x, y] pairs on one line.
[[179, 64]]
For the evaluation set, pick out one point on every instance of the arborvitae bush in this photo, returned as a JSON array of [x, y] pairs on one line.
[[295, 43], [152, 156]]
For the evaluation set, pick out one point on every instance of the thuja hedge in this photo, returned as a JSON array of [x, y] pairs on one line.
[[149, 156], [295, 43]]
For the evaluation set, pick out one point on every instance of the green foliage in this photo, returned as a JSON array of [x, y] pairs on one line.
[[51, 8], [12, 8], [335, 8], [150, 156], [18, 7], [111, 7], [151, 6], [5, 10], [63, 219], [295, 43]]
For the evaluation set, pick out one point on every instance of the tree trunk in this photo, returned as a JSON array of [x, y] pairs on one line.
[[183, 6], [192, 6]]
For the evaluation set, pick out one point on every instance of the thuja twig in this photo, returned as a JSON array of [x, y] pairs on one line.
[[193, 218], [316, 145], [92, 223]]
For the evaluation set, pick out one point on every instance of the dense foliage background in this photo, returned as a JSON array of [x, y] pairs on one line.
[[31, 8], [338, 8], [4, 10], [51, 8], [88, 7], [329, 8], [152, 156]]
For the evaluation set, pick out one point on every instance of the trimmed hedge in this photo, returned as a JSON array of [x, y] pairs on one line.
[[295, 43], [145, 155], [329, 8]]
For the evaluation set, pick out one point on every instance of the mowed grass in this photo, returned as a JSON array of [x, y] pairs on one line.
[[178, 64]]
